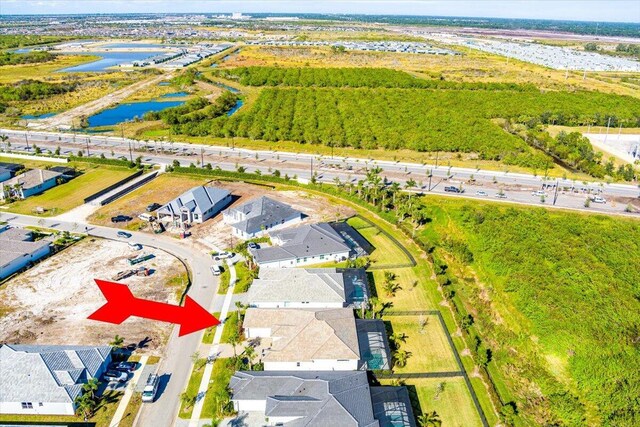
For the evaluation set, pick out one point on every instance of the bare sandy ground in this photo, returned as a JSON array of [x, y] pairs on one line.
[[49, 303]]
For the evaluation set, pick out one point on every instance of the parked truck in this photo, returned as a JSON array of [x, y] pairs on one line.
[[137, 259]]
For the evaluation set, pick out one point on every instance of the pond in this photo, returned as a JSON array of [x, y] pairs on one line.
[[175, 95], [227, 87], [129, 111], [236, 107], [135, 45], [36, 117], [109, 59]]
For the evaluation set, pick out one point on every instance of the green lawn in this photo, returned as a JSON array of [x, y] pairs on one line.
[[217, 396], [102, 417], [413, 294], [243, 278], [230, 325], [386, 252], [64, 197], [453, 404], [192, 388], [428, 345], [132, 410]]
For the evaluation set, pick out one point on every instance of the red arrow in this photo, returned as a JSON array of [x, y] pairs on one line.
[[121, 304]]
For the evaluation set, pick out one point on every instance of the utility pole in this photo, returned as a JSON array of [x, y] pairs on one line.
[[430, 175], [555, 196], [26, 138], [607, 134], [202, 157], [88, 154], [130, 153]]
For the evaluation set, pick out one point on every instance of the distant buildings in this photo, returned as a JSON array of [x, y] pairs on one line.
[[194, 206], [260, 216], [303, 245], [17, 250], [27, 184], [46, 379]]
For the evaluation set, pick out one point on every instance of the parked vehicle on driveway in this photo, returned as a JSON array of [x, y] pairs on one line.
[[146, 217], [223, 255], [116, 376], [151, 388], [252, 245], [216, 270], [123, 366], [121, 218], [124, 234], [153, 206]]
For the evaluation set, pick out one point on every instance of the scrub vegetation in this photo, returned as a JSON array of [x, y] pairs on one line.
[[555, 298]]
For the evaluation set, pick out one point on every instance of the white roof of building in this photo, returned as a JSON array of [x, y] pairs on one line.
[[293, 284], [47, 373]]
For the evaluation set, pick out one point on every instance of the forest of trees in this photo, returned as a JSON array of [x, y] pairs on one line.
[[10, 41], [195, 110], [27, 90], [12, 58], [349, 77], [421, 120]]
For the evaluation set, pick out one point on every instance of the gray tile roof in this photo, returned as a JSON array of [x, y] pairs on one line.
[[48, 373], [262, 212], [318, 398], [12, 249], [323, 285], [197, 200], [17, 234], [32, 178], [304, 241]]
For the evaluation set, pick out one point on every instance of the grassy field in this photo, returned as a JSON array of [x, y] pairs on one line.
[[67, 196], [230, 324], [428, 345], [411, 295], [160, 190], [453, 404], [16, 73], [553, 294], [102, 417]]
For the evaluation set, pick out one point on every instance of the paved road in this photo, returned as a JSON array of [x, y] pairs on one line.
[[175, 363], [516, 187]]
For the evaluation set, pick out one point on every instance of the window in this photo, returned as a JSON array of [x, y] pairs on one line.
[[40, 404], [298, 364], [27, 405]]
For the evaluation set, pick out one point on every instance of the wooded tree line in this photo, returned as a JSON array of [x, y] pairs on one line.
[[10, 41], [421, 120], [349, 77], [12, 58], [27, 90], [195, 110]]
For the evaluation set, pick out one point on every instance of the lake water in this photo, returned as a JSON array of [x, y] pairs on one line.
[[135, 45], [41, 116], [236, 107], [175, 95], [129, 111], [109, 59], [227, 87]]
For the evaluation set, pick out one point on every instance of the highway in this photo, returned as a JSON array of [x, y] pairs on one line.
[[175, 364], [477, 183]]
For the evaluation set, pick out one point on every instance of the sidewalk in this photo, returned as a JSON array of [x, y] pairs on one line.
[[122, 407], [213, 352]]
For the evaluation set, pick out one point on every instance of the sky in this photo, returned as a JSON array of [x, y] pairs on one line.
[[578, 10]]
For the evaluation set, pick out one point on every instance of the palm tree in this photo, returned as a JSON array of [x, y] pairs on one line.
[[187, 399], [249, 351], [117, 341], [91, 387], [430, 419], [234, 339], [398, 338], [400, 358], [4, 138], [85, 406]]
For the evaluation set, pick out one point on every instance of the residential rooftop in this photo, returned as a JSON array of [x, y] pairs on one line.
[[305, 335], [259, 213], [311, 398], [197, 200], [32, 178], [47, 373], [304, 241]]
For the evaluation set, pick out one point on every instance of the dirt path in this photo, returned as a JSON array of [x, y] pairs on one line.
[[66, 119]]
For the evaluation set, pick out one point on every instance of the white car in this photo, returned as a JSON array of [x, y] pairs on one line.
[[599, 199], [539, 193], [223, 255], [481, 193]]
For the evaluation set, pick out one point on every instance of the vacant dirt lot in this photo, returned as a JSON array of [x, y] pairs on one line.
[[49, 303]]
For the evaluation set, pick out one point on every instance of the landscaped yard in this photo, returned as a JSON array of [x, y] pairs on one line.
[[217, 396], [412, 295], [64, 197], [386, 252], [132, 410], [453, 403], [430, 351], [101, 418]]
